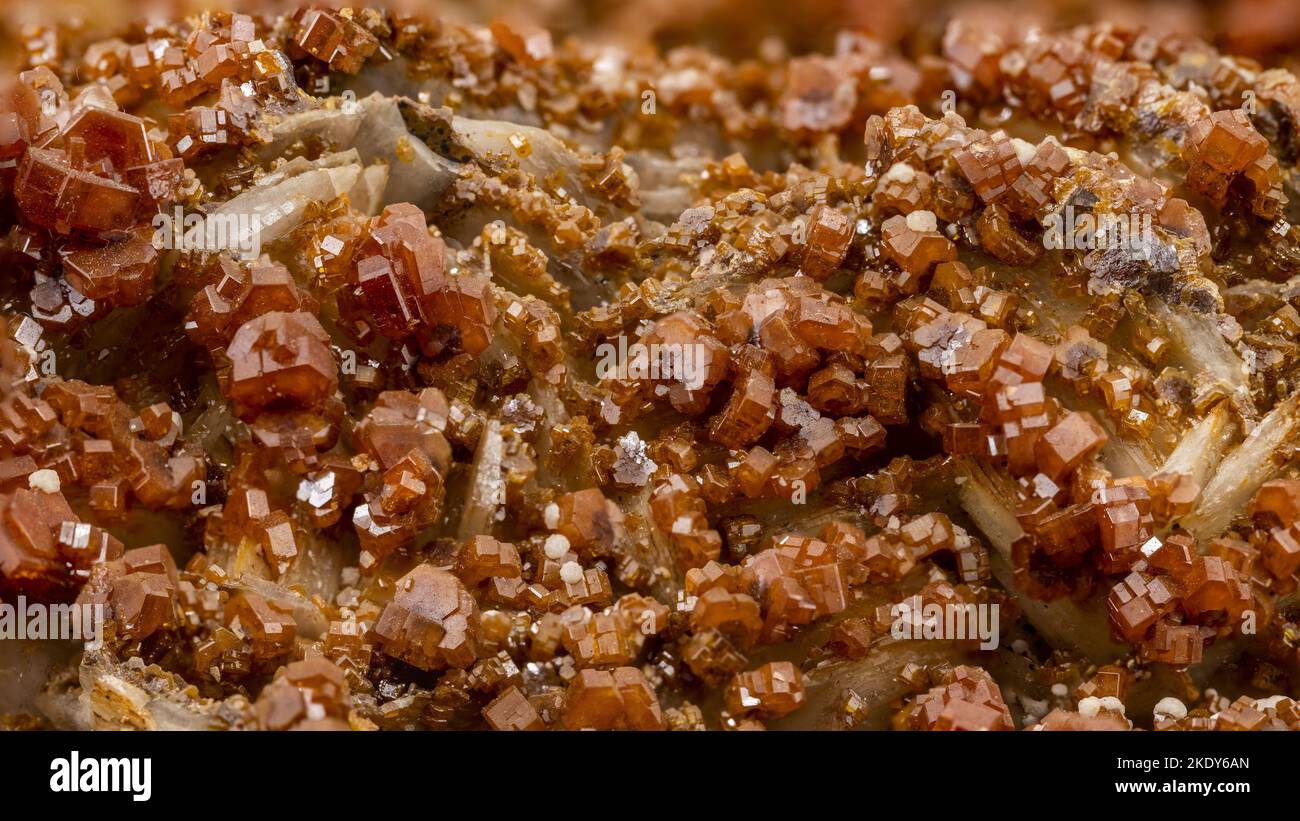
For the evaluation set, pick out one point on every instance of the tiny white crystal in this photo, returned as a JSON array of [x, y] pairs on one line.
[[556, 547], [44, 479], [571, 573], [922, 221]]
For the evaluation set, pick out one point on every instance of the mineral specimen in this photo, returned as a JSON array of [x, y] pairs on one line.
[[365, 370]]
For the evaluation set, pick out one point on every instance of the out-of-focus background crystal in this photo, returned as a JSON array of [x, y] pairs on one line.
[[1265, 29]]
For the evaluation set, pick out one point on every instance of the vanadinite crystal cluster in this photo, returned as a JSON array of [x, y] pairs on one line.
[[378, 372]]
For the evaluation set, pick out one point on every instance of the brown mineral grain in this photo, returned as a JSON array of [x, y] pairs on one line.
[[771, 691], [432, 621]]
